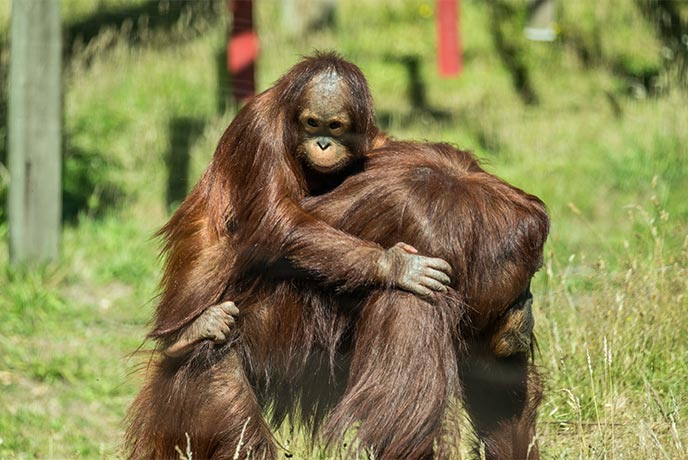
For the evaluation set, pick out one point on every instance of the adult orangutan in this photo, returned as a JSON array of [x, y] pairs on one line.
[[380, 363], [299, 138]]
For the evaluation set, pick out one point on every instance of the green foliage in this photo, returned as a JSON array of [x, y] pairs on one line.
[[86, 186], [606, 152]]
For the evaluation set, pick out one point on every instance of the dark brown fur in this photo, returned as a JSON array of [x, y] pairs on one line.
[[245, 214], [385, 362]]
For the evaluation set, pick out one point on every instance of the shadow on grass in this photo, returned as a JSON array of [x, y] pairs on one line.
[[416, 95], [178, 19], [503, 17], [671, 28], [87, 186], [184, 131]]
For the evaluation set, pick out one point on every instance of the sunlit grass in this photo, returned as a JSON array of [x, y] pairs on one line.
[[613, 345]]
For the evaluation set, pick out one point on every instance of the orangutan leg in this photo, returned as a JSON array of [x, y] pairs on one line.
[[213, 324]]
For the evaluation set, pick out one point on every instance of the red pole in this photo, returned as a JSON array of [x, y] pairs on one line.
[[242, 50], [448, 39]]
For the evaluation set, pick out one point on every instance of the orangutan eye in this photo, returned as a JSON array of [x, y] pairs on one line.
[[311, 122], [335, 125]]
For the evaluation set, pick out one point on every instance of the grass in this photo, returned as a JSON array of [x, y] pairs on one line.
[[610, 162]]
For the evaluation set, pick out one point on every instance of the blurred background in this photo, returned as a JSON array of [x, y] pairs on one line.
[[583, 103]]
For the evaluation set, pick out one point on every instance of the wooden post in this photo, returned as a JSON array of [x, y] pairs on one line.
[[34, 133], [541, 21]]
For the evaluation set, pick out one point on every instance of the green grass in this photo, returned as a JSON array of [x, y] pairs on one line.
[[610, 162]]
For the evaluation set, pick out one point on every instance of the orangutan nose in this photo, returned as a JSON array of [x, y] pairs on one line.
[[323, 143]]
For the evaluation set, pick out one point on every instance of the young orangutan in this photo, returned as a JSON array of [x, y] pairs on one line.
[[299, 138]]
